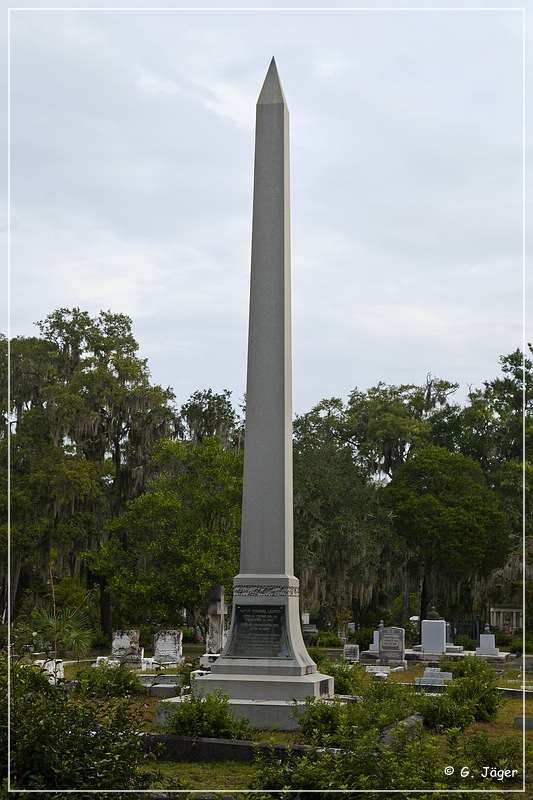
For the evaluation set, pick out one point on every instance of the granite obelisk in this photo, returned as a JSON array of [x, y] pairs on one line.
[[265, 665]]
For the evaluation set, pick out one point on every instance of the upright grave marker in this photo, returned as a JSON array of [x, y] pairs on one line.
[[265, 665], [391, 645]]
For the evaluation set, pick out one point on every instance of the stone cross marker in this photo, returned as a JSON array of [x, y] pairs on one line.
[[265, 638], [216, 610]]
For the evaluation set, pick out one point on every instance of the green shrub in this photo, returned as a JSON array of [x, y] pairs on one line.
[[474, 684], [108, 680], [330, 722], [480, 750], [363, 637], [325, 639], [348, 677], [442, 712], [59, 741], [189, 637], [322, 720], [207, 714], [465, 642], [501, 638], [320, 657], [100, 640], [365, 765], [517, 646]]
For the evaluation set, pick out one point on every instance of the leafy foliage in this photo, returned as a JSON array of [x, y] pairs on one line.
[[180, 537], [325, 639], [61, 742], [108, 680], [329, 722], [65, 630], [365, 764], [207, 714], [448, 517], [474, 682]]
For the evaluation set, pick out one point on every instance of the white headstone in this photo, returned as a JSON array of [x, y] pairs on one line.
[[168, 646], [374, 646], [434, 636], [487, 644], [125, 646]]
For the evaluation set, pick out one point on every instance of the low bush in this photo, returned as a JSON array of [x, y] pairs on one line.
[[441, 712], [519, 646], [100, 640], [363, 637], [328, 722], [348, 677], [207, 714], [466, 642], [325, 639], [320, 657], [474, 684], [108, 680], [322, 720], [366, 765], [189, 636], [501, 638], [59, 741]]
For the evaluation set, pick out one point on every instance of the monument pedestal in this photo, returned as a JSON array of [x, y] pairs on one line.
[[266, 622]]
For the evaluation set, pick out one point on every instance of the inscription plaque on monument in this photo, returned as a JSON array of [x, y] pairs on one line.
[[261, 633]]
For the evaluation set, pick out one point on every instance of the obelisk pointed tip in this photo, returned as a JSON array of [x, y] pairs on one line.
[[271, 91]]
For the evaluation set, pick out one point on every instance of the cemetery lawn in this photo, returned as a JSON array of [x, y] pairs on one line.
[[221, 775]]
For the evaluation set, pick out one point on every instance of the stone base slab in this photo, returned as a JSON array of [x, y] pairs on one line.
[[267, 687], [276, 714]]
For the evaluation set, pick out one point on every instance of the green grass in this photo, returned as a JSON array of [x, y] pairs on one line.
[[205, 775]]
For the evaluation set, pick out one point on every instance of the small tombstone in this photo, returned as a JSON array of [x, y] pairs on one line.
[[125, 646], [351, 653], [305, 617], [374, 646], [378, 671], [54, 668], [351, 627], [168, 646], [391, 644], [487, 644]]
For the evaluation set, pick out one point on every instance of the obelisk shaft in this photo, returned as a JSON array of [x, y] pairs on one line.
[[267, 511]]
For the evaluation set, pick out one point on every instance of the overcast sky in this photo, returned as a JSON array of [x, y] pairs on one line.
[[132, 137]]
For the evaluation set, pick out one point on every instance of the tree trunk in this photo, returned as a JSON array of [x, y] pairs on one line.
[[16, 568], [105, 607], [423, 600], [406, 613]]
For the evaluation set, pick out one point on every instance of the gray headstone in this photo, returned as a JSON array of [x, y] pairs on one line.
[[391, 644], [351, 652]]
